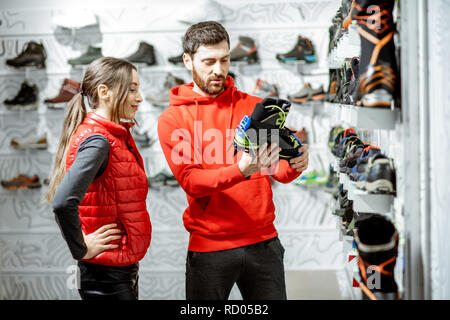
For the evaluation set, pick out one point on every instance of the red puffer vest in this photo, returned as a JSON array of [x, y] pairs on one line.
[[118, 195]]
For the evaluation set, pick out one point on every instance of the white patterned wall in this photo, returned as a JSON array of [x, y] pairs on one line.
[[33, 256], [439, 106]]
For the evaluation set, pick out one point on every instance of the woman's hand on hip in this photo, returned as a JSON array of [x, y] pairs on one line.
[[97, 241]]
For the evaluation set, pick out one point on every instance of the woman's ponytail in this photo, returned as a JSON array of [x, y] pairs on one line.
[[76, 112]]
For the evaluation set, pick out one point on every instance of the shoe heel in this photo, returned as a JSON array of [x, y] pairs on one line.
[[310, 58], [39, 65], [252, 57]]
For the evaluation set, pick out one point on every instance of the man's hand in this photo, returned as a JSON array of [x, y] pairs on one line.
[[267, 155], [301, 162]]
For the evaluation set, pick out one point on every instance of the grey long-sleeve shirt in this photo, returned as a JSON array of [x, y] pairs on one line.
[[90, 163]]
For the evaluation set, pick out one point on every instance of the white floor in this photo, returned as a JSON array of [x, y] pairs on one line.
[[312, 285]]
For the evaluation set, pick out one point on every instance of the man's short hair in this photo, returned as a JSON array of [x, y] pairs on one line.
[[202, 34]]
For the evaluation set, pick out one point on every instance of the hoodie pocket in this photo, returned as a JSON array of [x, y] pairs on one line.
[[243, 208]]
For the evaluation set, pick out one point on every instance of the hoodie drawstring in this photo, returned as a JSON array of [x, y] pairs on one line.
[[231, 111], [197, 111]]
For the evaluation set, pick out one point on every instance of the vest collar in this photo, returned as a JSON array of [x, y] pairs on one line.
[[116, 129]]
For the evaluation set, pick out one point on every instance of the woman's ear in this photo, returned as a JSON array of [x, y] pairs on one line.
[[103, 92]]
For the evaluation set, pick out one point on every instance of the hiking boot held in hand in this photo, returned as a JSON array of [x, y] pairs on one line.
[[268, 115]]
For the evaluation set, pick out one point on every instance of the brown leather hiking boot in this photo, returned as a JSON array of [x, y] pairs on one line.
[[21, 182], [69, 88], [33, 54]]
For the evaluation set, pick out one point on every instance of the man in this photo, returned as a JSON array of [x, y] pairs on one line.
[[230, 214]]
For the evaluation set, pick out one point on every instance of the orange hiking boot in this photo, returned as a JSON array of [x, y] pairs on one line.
[[378, 67], [21, 182], [377, 239]]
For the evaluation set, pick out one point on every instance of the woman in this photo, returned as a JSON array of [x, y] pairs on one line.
[[98, 186]]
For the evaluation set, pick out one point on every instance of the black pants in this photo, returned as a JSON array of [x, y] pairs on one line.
[[257, 269], [99, 282]]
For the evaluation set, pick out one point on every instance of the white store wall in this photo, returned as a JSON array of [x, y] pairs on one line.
[[33, 256]]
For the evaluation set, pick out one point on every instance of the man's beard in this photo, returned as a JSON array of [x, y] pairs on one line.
[[206, 86]]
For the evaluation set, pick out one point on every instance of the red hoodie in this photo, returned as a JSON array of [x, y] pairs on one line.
[[225, 209]]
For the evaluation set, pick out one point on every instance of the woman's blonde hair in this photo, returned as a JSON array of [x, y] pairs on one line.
[[114, 73]]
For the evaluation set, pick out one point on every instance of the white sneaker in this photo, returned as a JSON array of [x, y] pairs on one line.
[[74, 19], [206, 10]]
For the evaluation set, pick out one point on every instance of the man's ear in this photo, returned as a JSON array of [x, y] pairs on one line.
[[187, 59]]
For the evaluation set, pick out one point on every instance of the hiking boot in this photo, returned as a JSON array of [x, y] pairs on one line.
[[340, 138], [332, 89], [342, 77], [270, 114], [351, 157], [90, 55], [381, 177], [264, 89], [378, 83], [302, 135], [339, 83], [349, 141], [144, 54], [377, 240], [21, 182], [176, 60], [25, 99], [161, 99], [30, 141], [302, 95], [351, 94], [245, 50], [361, 163], [348, 19], [33, 55], [317, 94], [348, 221], [68, 89], [333, 135], [347, 72], [303, 51]]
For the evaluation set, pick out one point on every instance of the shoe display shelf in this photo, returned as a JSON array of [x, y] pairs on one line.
[[19, 113], [349, 287], [366, 202], [168, 68], [305, 69], [369, 117], [310, 108], [300, 67], [350, 268], [28, 72], [348, 46], [363, 117]]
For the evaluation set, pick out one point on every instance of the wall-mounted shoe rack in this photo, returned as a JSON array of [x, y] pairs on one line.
[[380, 127]]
